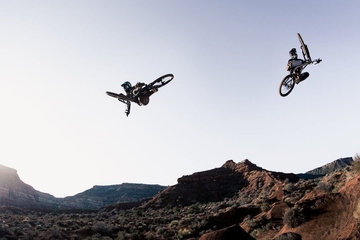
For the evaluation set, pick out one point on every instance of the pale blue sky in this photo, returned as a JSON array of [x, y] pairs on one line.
[[64, 135]]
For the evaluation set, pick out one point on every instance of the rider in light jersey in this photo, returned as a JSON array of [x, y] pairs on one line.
[[293, 62]]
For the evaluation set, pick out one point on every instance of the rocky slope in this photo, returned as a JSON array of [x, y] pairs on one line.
[[234, 201]]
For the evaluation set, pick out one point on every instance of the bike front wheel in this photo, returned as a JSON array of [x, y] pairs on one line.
[[287, 85], [162, 81]]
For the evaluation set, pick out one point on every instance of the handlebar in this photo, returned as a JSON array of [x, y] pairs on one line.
[[317, 61]]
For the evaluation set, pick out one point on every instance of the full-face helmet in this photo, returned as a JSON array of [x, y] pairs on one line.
[[127, 86], [293, 54]]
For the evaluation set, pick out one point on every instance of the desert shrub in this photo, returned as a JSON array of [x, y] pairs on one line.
[[184, 232], [294, 217], [194, 208], [265, 206], [160, 230], [102, 228], [326, 187], [356, 163], [289, 187], [120, 235], [174, 223], [139, 213], [55, 232], [357, 211], [4, 229], [176, 209], [28, 236]]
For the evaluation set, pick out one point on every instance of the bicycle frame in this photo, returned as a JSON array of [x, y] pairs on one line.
[[302, 66]]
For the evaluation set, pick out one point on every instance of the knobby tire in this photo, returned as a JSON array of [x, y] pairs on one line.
[[162, 81], [304, 47]]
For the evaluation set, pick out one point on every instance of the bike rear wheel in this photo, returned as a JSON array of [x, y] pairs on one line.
[[287, 85], [304, 47], [162, 81]]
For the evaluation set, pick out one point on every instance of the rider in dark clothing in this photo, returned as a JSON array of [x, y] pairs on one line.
[[132, 91], [127, 87], [294, 62]]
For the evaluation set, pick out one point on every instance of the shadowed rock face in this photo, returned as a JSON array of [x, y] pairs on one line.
[[214, 185]]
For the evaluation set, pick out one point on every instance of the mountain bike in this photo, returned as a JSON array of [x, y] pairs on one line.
[[142, 95]]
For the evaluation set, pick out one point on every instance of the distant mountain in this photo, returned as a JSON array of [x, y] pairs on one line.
[[14, 192], [100, 196], [338, 164]]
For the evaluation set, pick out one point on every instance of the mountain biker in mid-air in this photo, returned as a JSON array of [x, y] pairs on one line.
[[293, 63], [141, 92]]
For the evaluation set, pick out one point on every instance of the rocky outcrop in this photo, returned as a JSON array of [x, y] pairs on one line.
[[15, 192], [231, 179]]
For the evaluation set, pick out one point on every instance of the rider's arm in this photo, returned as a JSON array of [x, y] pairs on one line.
[[288, 66], [137, 88]]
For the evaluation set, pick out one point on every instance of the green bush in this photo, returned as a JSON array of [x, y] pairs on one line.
[[294, 217]]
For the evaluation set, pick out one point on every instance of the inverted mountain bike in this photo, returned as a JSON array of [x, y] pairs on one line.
[[142, 95]]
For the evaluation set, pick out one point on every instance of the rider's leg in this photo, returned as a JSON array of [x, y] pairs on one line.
[[143, 100], [304, 76]]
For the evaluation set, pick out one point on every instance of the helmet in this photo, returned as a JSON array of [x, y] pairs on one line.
[[293, 54], [127, 86]]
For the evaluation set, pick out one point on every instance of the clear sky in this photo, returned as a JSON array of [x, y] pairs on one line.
[[63, 135]]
